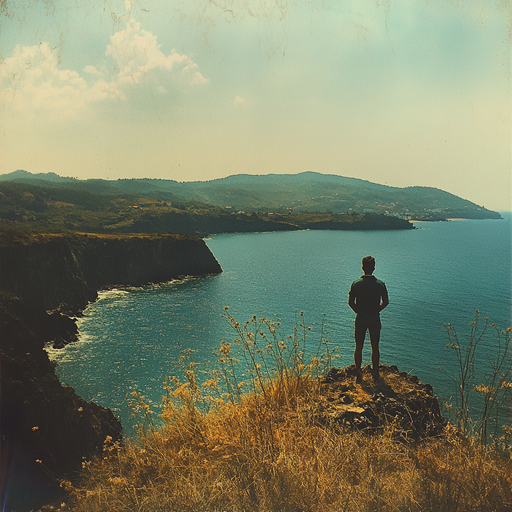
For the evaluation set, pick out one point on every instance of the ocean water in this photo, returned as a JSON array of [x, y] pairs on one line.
[[439, 273]]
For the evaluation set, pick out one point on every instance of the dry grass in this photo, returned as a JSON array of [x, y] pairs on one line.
[[262, 456], [265, 451]]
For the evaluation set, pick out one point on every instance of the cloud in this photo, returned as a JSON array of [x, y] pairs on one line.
[[32, 82], [239, 101], [136, 53]]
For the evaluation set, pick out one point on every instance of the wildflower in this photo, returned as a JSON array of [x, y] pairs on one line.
[[39, 461], [117, 481], [66, 484], [80, 409], [35, 428]]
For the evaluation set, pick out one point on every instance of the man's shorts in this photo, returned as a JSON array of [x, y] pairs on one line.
[[366, 323]]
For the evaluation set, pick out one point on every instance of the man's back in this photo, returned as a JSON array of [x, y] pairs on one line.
[[367, 292]]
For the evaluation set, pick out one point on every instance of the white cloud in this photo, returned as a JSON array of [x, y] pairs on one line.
[[239, 101], [32, 82], [137, 53]]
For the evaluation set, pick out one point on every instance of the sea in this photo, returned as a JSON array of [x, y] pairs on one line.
[[440, 273]]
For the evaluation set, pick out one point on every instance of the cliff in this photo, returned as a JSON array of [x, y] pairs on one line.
[[48, 271], [46, 429]]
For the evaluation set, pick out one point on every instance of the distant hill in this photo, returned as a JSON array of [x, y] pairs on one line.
[[281, 193], [32, 208]]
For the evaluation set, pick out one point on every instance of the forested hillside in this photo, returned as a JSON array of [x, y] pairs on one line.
[[55, 209], [279, 193]]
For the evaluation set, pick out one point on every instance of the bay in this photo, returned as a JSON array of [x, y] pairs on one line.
[[439, 273]]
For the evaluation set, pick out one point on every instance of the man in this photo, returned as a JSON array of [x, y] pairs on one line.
[[367, 298]]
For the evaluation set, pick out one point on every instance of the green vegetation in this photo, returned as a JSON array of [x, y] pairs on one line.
[[26, 207], [256, 440], [305, 192]]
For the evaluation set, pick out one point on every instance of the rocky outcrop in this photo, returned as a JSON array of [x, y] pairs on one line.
[[398, 400], [52, 271], [46, 429]]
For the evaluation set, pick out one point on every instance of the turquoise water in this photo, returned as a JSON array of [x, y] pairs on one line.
[[439, 273]]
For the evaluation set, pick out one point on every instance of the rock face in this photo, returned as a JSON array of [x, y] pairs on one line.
[[40, 420], [398, 400], [47, 271], [46, 429]]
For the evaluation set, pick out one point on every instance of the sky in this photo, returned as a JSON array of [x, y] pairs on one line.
[[397, 92]]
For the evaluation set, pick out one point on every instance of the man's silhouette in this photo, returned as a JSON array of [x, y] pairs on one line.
[[367, 298]]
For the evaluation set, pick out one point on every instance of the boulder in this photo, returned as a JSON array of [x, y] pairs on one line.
[[398, 400]]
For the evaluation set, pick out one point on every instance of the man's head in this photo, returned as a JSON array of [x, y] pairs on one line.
[[368, 265]]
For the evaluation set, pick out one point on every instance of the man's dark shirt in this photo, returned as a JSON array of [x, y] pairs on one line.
[[367, 292]]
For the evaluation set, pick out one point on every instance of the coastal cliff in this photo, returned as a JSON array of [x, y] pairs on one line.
[[48, 271], [46, 429]]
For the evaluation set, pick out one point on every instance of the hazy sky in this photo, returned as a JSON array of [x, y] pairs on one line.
[[399, 92]]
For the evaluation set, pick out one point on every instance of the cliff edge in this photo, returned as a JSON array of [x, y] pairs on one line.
[[48, 271], [46, 429]]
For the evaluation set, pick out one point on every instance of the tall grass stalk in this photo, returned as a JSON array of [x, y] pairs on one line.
[[495, 392]]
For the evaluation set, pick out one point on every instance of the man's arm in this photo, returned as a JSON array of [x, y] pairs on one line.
[[352, 303], [384, 303]]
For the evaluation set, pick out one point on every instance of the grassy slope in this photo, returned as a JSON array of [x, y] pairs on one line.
[[268, 453], [273, 448]]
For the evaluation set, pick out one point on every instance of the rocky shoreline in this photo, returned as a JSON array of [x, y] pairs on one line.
[[46, 429]]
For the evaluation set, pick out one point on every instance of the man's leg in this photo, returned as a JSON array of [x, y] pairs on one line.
[[358, 353], [374, 340], [359, 334]]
